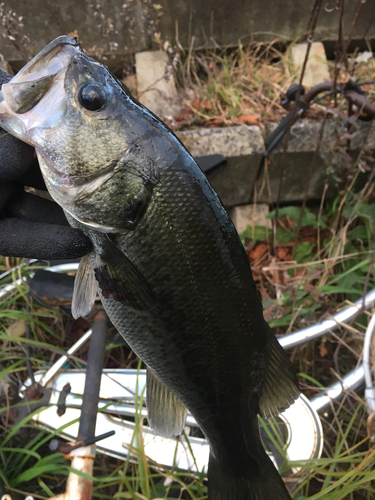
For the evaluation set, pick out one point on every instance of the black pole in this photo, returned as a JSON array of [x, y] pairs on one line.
[[95, 364]]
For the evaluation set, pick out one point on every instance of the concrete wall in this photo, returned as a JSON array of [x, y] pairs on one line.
[[243, 146], [116, 28], [228, 21]]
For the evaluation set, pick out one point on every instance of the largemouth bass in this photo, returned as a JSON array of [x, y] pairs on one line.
[[167, 261]]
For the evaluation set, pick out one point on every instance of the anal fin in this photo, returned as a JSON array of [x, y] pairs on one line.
[[280, 387], [84, 292], [165, 412]]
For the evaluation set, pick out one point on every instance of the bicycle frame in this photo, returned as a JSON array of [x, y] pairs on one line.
[[118, 394]]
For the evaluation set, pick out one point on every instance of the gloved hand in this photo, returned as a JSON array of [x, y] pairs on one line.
[[31, 226]]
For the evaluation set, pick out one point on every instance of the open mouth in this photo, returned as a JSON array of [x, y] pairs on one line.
[[19, 98]]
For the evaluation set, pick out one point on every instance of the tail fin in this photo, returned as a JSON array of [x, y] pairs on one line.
[[260, 483]]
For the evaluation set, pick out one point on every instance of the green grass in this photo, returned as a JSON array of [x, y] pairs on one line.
[[339, 271], [329, 263]]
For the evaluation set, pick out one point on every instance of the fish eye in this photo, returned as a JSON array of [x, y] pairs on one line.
[[91, 97]]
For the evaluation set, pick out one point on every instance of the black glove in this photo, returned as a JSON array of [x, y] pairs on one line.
[[31, 226]]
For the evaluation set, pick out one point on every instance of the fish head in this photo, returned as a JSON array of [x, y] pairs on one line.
[[85, 127]]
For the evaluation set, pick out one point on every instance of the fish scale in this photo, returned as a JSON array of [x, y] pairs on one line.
[[201, 296], [167, 261]]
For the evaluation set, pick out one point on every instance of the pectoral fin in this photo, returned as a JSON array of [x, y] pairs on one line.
[[165, 412], [84, 292], [120, 279]]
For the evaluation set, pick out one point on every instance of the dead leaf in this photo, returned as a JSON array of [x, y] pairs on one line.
[[249, 119], [245, 103], [284, 253], [258, 251], [289, 221], [300, 272], [250, 247], [323, 350], [197, 103], [17, 328], [312, 290], [184, 114], [215, 122]]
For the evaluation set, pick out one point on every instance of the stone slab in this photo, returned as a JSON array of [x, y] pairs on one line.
[[303, 141], [250, 215], [294, 179], [156, 88], [242, 146], [317, 70], [304, 135], [363, 132]]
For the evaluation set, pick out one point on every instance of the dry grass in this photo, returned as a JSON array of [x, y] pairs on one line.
[[247, 84], [244, 85], [300, 280]]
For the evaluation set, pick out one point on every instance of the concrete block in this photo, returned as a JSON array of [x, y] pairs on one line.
[[295, 177], [303, 136], [155, 84], [317, 70], [302, 143], [363, 133], [250, 215], [242, 146]]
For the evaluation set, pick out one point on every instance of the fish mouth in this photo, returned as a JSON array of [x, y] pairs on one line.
[[45, 63], [25, 92]]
